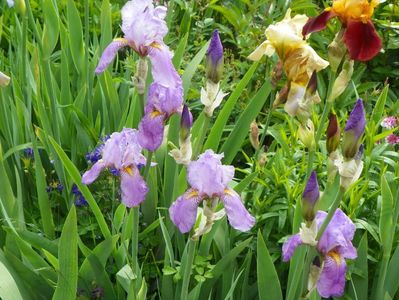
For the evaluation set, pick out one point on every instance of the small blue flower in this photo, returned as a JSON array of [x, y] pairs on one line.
[[29, 152]]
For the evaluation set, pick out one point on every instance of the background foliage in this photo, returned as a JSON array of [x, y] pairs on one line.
[[57, 106]]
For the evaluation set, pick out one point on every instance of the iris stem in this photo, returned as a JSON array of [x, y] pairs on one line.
[[326, 110], [201, 137], [187, 269], [264, 133]]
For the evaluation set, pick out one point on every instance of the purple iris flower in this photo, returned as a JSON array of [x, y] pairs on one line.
[[144, 28], [208, 178], [122, 152], [334, 246], [214, 58], [165, 97], [354, 130], [310, 197]]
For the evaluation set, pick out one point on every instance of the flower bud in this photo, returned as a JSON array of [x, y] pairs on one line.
[[354, 131], [254, 135], [336, 50], [342, 80], [306, 134], [333, 134], [310, 197], [214, 59], [186, 122], [4, 80]]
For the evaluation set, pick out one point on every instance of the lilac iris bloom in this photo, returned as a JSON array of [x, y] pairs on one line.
[[165, 97], [334, 246], [122, 152], [354, 130], [208, 179], [144, 28]]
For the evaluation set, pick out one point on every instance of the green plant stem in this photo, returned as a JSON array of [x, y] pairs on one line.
[[326, 110], [200, 140], [264, 133], [187, 269], [135, 231]]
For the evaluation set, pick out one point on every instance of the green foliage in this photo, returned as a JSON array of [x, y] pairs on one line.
[[57, 106]]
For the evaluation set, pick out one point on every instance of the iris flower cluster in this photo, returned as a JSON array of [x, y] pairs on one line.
[[144, 28]]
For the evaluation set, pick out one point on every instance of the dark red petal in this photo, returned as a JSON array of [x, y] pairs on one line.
[[317, 23], [362, 40]]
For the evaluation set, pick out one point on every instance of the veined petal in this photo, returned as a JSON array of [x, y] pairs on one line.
[[290, 245], [331, 282], [133, 187], [92, 174], [362, 40], [294, 98], [183, 211], [239, 217], [109, 54], [318, 23]]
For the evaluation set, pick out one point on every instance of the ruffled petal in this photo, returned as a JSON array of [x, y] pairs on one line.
[[183, 211], [362, 40], [239, 217], [331, 282], [317, 23], [133, 188], [290, 245], [151, 129], [90, 175], [109, 54], [208, 175]]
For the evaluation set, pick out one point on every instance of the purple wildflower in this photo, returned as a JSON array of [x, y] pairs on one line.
[[392, 139], [29, 152], [122, 152], [144, 28], [389, 122], [354, 130], [79, 198], [334, 246], [208, 178], [214, 58]]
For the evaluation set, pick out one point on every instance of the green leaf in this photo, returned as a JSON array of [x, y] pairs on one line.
[[380, 105], [268, 282], [216, 132], [68, 258], [9, 289], [75, 35], [386, 215], [240, 131], [51, 28], [360, 278]]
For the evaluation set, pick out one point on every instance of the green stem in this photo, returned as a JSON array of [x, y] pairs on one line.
[[200, 140], [326, 110], [187, 269], [264, 133]]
